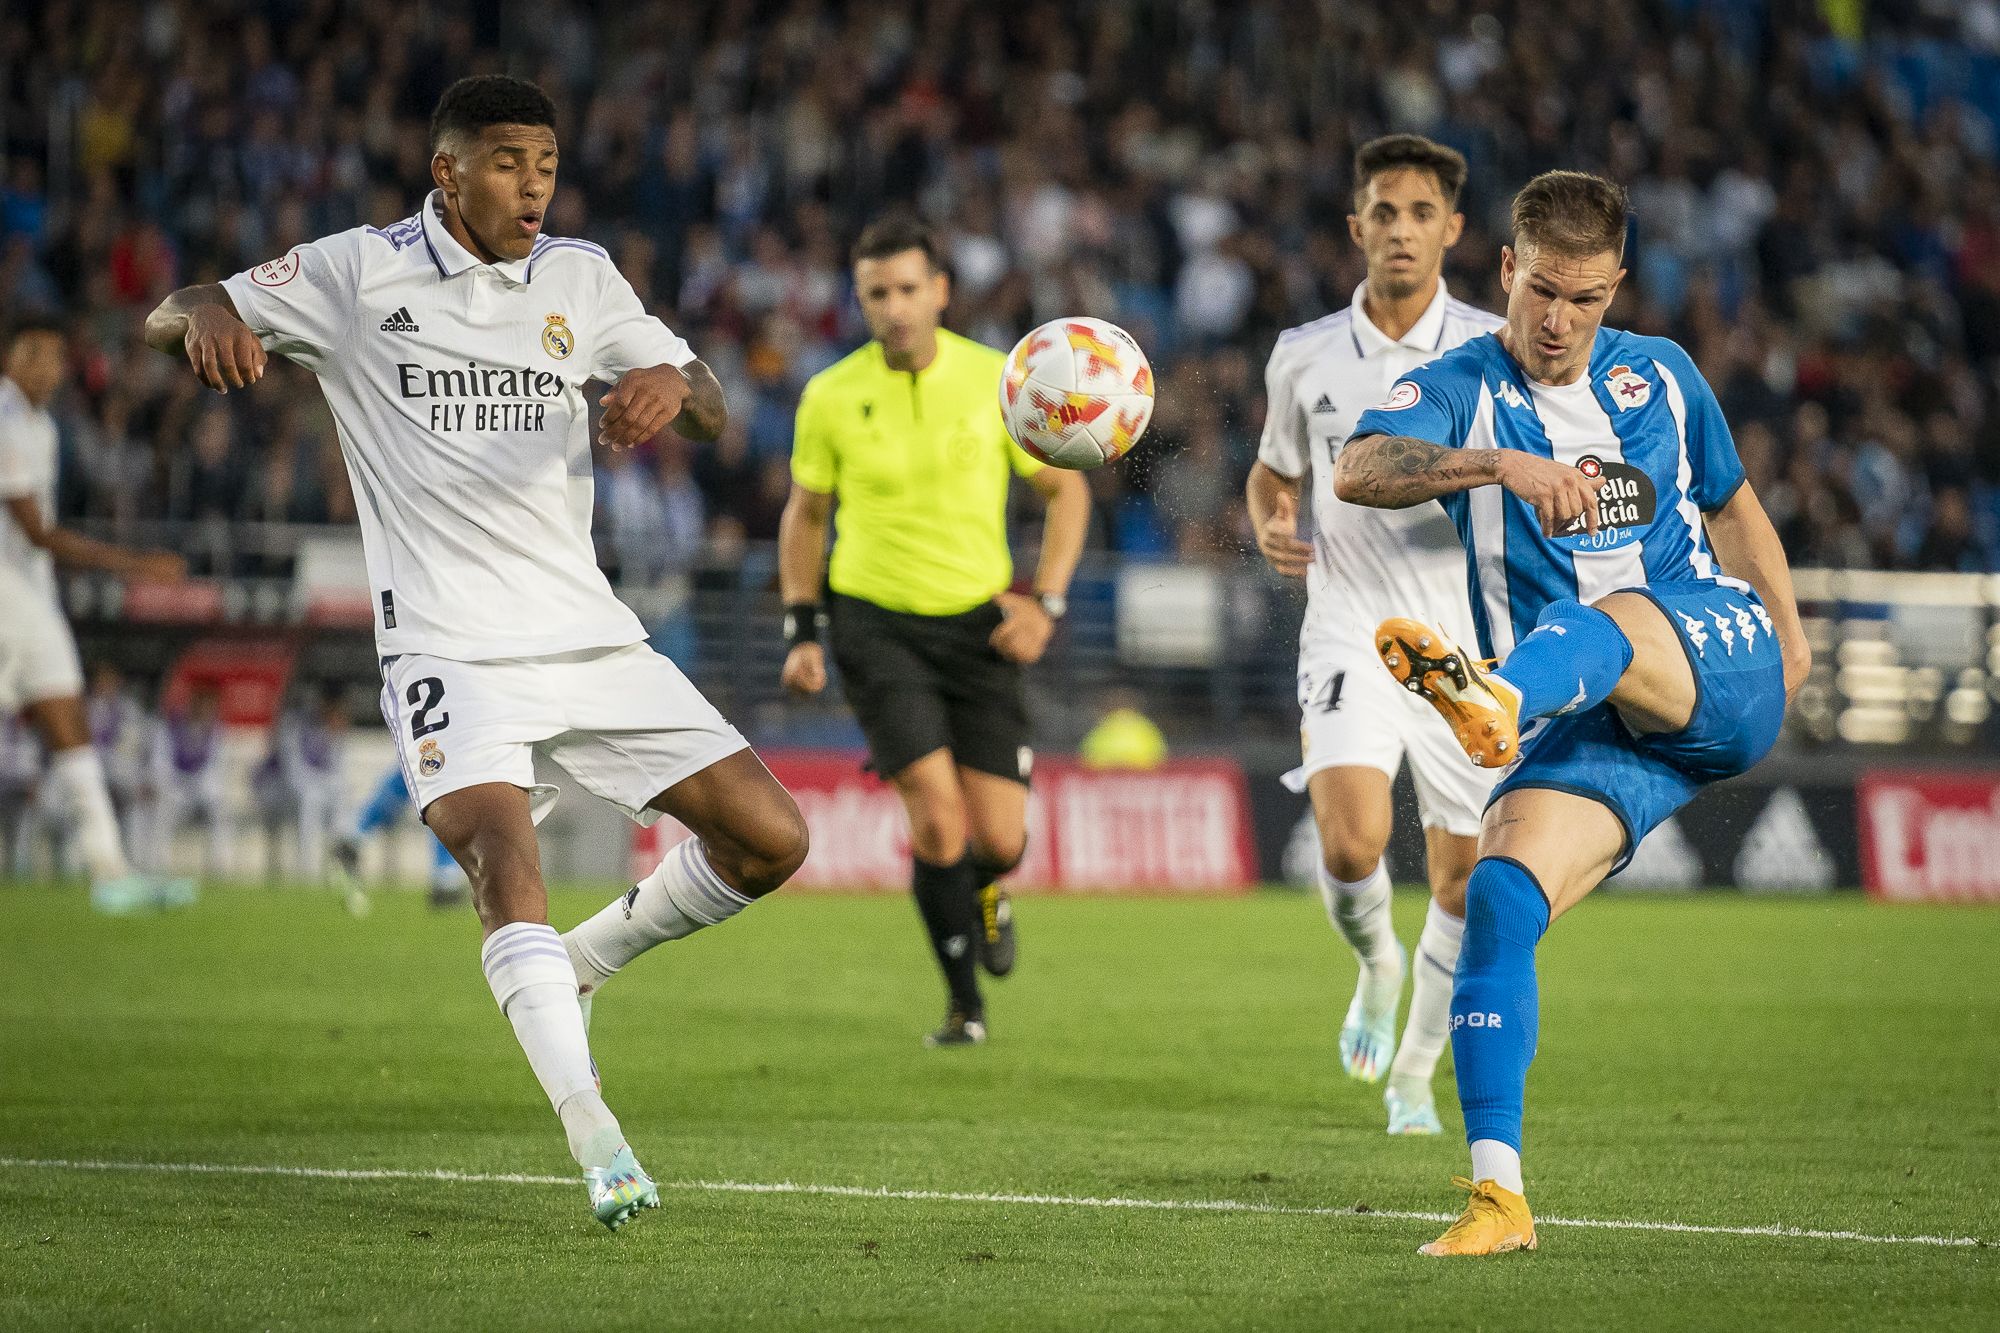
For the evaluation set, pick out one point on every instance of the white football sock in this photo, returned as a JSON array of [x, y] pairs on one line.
[[681, 896], [1495, 1161], [1427, 1028], [1360, 912], [532, 979], [79, 775]]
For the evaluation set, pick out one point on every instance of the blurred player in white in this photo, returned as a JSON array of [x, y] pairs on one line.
[[120, 729], [453, 348], [1359, 726], [39, 670], [189, 784]]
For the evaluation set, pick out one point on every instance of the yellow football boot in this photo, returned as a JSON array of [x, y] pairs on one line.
[[1484, 711], [1495, 1221]]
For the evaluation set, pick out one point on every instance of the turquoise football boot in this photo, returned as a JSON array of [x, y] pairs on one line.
[[1414, 1116], [620, 1190], [1368, 1041]]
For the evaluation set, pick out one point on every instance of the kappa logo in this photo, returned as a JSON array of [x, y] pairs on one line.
[[1627, 389], [1582, 696], [1747, 627], [1325, 404], [1510, 395], [1722, 627], [1697, 632], [400, 321]]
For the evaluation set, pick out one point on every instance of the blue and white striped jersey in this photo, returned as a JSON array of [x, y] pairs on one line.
[[1641, 416]]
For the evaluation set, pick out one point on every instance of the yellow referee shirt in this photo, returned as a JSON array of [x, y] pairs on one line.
[[919, 464]]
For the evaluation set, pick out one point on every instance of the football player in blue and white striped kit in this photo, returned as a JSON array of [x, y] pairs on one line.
[[1633, 591]]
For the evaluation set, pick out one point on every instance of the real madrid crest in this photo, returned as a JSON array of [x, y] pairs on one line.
[[430, 758], [557, 340]]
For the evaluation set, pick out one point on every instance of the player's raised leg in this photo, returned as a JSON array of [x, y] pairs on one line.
[[749, 838], [489, 830], [1352, 807]]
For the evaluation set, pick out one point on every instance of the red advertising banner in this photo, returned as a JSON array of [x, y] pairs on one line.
[[1180, 828], [1931, 837]]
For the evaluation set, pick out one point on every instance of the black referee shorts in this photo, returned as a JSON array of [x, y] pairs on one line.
[[922, 683]]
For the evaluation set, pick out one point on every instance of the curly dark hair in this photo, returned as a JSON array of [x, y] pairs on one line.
[[470, 105]]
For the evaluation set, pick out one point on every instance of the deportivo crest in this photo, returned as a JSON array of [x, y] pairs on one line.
[[1627, 388], [1405, 394], [557, 340], [430, 758]]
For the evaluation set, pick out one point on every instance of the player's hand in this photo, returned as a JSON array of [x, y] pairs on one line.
[[224, 353], [155, 567], [1278, 538], [1797, 655], [1564, 499], [805, 669], [640, 406], [1023, 633]]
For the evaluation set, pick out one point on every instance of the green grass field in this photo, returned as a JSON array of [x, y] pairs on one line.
[[1715, 1061]]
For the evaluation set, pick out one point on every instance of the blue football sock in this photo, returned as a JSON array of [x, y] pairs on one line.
[[1571, 660], [1495, 1008], [391, 796]]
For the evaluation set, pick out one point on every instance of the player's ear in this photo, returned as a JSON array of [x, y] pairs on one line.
[[444, 171], [1454, 227], [1354, 228], [1507, 269]]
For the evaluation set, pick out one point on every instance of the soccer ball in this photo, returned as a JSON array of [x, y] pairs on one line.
[[1077, 393]]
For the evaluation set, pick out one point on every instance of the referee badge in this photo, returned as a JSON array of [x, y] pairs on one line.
[[557, 340]]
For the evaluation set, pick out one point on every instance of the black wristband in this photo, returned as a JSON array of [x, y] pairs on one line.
[[802, 621]]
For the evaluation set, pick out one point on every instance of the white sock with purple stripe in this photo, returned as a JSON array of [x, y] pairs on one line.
[[681, 896], [1428, 1026], [532, 979]]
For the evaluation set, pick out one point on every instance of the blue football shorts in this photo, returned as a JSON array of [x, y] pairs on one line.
[[1739, 681]]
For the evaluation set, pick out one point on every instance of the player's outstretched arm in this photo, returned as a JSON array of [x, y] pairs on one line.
[[705, 413], [202, 322], [1395, 472], [73, 550], [688, 398], [1747, 546], [801, 568]]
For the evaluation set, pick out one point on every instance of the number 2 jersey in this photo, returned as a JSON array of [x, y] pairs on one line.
[[457, 388], [1641, 417]]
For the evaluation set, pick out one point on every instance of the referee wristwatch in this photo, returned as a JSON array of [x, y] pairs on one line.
[[1054, 604]]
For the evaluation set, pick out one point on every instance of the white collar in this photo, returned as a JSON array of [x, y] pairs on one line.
[[1426, 335], [452, 258]]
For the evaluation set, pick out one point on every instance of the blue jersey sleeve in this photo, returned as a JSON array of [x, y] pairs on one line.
[[1434, 402], [1714, 470]]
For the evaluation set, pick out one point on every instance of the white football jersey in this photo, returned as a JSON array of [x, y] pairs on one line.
[[1368, 564], [27, 468], [457, 387]]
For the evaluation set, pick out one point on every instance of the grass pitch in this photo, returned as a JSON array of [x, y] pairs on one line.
[[1718, 1061]]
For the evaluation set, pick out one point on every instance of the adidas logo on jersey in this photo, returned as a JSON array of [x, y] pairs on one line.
[[1325, 404], [400, 322]]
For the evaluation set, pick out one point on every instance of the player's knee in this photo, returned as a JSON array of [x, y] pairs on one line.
[[937, 830], [1449, 893], [1350, 855], [765, 856], [998, 858]]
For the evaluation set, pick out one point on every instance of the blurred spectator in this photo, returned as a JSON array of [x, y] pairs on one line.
[[1818, 213]]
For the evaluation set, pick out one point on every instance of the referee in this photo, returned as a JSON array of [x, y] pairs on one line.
[[906, 435]]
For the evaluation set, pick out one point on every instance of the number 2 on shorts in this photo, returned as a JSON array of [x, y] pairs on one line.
[[426, 694]]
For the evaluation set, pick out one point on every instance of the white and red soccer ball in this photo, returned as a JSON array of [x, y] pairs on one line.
[[1077, 393]]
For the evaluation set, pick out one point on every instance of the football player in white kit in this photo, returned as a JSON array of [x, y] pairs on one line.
[[1359, 725], [453, 348], [39, 670]]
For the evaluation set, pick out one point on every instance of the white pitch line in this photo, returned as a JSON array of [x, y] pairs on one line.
[[956, 1196]]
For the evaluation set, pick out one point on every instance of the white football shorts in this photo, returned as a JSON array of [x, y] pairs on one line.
[[1356, 715], [37, 651], [624, 722]]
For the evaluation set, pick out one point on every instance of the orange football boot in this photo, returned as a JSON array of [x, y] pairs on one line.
[[1495, 1221], [1484, 711]]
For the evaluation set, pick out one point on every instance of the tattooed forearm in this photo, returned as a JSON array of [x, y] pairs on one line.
[[1395, 472]]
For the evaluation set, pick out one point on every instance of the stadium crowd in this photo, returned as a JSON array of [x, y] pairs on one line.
[[1817, 199]]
